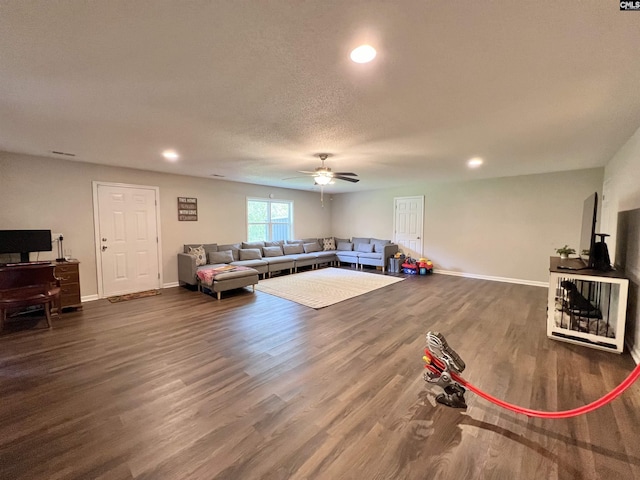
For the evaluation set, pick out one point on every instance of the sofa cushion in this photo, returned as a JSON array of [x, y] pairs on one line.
[[209, 252], [246, 245], [199, 253], [274, 251], [293, 249], [234, 247], [328, 244], [379, 244], [224, 256], [377, 256], [274, 243], [357, 240], [294, 242], [311, 247], [364, 247], [311, 240], [250, 254], [337, 240], [345, 246]]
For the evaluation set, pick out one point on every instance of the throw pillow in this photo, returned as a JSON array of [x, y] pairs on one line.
[[345, 246], [292, 249], [379, 244], [213, 247], [250, 254], [199, 253], [341, 240], [246, 245], [275, 251], [311, 247], [234, 247], [225, 256], [310, 240], [364, 247], [209, 251], [328, 244], [274, 243], [357, 240]]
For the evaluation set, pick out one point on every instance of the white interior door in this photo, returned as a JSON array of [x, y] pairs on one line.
[[127, 238], [407, 224]]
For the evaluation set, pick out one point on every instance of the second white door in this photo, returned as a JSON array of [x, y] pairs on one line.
[[408, 223]]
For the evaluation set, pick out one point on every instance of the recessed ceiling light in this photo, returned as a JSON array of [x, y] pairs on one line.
[[363, 54], [171, 155], [475, 162]]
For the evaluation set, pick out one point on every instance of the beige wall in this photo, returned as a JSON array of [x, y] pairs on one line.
[[498, 228], [622, 194], [38, 192]]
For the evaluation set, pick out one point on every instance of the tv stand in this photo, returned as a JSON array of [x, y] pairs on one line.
[[587, 307]]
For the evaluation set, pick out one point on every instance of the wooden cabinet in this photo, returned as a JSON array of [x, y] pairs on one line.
[[587, 307], [69, 275]]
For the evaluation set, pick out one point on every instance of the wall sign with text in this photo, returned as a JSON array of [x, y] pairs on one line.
[[187, 209]]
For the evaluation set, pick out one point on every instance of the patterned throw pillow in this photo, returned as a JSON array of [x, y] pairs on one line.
[[201, 256], [328, 244]]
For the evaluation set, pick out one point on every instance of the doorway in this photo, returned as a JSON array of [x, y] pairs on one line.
[[407, 224], [127, 238]]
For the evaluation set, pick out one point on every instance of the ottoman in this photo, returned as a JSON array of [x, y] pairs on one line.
[[227, 277]]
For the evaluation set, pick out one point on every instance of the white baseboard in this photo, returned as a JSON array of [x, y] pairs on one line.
[[91, 298], [493, 279], [635, 353]]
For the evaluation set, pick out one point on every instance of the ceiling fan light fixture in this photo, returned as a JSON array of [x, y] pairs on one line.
[[323, 179]]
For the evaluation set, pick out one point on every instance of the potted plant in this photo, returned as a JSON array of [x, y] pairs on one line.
[[565, 251]]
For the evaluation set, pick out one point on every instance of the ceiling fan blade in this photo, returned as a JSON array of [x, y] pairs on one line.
[[299, 176], [347, 174], [348, 179], [309, 173]]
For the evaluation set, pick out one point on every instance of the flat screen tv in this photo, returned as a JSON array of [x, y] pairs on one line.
[[24, 242], [588, 233]]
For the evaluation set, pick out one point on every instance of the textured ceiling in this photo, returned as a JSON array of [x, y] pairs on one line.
[[252, 90]]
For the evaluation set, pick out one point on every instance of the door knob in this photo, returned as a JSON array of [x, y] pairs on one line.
[[418, 238], [104, 247]]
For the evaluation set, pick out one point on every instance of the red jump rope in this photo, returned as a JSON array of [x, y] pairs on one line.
[[444, 367]]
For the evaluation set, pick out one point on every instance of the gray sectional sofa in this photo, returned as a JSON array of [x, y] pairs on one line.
[[271, 257]]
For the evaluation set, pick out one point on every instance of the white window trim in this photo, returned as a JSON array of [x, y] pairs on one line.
[[269, 201]]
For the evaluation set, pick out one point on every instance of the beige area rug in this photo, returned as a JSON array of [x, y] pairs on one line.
[[324, 287]]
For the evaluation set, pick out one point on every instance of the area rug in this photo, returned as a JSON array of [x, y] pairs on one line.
[[324, 287], [132, 296]]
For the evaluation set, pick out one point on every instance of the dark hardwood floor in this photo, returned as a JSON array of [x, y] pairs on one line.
[[182, 386]]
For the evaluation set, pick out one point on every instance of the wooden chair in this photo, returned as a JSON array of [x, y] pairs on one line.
[[23, 286]]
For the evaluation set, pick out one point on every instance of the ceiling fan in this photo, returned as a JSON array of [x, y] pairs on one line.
[[324, 176]]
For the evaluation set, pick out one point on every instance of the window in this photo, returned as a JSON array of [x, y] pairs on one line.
[[269, 220]]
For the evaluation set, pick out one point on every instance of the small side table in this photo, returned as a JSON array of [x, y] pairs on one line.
[[69, 275]]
